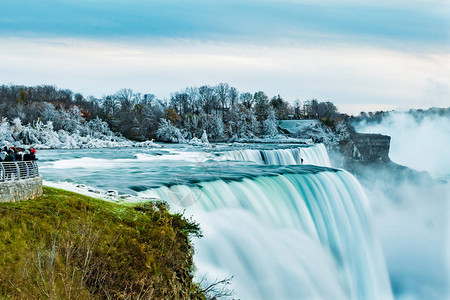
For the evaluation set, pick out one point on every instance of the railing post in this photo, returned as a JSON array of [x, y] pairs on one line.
[[3, 178], [17, 169], [35, 168]]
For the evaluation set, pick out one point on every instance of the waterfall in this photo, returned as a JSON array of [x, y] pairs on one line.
[[301, 235], [311, 155]]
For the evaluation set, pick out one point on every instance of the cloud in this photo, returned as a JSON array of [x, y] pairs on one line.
[[359, 54], [264, 22], [355, 78]]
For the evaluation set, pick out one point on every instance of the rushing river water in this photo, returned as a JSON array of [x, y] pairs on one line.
[[284, 229]]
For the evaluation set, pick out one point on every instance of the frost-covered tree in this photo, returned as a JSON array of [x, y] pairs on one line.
[[170, 133], [48, 112], [92, 134], [68, 120], [217, 128], [97, 128], [317, 132], [6, 133], [246, 124], [270, 125], [254, 124], [220, 110]]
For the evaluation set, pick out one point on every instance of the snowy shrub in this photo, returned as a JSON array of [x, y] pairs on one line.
[[319, 133], [203, 141], [245, 124], [6, 137], [79, 134], [169, 133], [204, 138], [217, 128], [48, 112]]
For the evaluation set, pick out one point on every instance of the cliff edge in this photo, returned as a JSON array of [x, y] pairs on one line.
[[367, 156], [64, 245]]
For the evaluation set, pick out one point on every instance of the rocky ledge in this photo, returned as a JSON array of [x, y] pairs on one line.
[[366, 155]]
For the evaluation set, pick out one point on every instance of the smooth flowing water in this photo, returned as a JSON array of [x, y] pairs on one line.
[[314, 155], [284, 230]]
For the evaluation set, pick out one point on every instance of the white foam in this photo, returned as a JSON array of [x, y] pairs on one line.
[[176, 156], [110, 195]]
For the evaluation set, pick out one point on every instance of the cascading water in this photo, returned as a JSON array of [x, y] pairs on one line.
[[284, 231], [299, 235], [312, 155]]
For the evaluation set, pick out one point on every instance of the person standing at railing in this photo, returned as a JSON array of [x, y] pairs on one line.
[[2, 155], [9, 155], [30, 156], [17, 154]]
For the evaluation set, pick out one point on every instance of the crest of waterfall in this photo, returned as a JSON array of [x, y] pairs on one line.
[[311, 155], [290, 236]]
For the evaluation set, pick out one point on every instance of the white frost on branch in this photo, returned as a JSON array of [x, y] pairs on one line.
[[79, 134], [203, 141], [271, 125], [170, 133]]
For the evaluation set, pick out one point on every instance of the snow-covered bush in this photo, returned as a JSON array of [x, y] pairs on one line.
[[6, 137], [204, 138], [170, 133], [80, 134], [320, 133], [245, 124], [203, 141], [217, 128]]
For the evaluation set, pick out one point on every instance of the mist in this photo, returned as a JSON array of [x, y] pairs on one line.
[[411, 216], [411, 221], [419, 143]]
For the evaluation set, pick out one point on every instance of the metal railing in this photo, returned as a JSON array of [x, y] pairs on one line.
[[18, 170]]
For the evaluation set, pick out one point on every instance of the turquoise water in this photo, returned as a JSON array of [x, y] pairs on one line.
[[131, 170], [283, 231]]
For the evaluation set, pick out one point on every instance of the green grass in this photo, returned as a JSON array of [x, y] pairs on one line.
[[68, 246]]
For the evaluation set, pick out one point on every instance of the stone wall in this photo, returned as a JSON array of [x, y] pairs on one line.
[[26, 189]]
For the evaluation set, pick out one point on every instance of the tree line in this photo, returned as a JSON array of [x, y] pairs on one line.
[[221, 110]]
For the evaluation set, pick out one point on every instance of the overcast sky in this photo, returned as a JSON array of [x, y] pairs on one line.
[[360, 55]]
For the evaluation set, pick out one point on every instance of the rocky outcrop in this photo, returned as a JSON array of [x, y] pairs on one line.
[[366, 148], [367, 156]]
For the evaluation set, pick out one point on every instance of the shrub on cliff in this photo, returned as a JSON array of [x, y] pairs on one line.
[[68, 246]]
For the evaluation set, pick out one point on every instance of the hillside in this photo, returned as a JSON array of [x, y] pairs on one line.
[[68, 246]]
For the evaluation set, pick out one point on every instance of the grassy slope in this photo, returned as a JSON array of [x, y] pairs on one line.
[[69, 246]]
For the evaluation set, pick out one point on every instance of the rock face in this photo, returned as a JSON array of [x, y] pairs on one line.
[[367, 156], [370, 148]]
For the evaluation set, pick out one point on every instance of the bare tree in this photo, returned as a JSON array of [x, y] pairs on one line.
[[246, 100], [207, 98], [219, 289], [222, 91], [234, 96]]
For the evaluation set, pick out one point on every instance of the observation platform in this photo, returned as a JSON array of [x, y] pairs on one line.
[[19, 180]]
